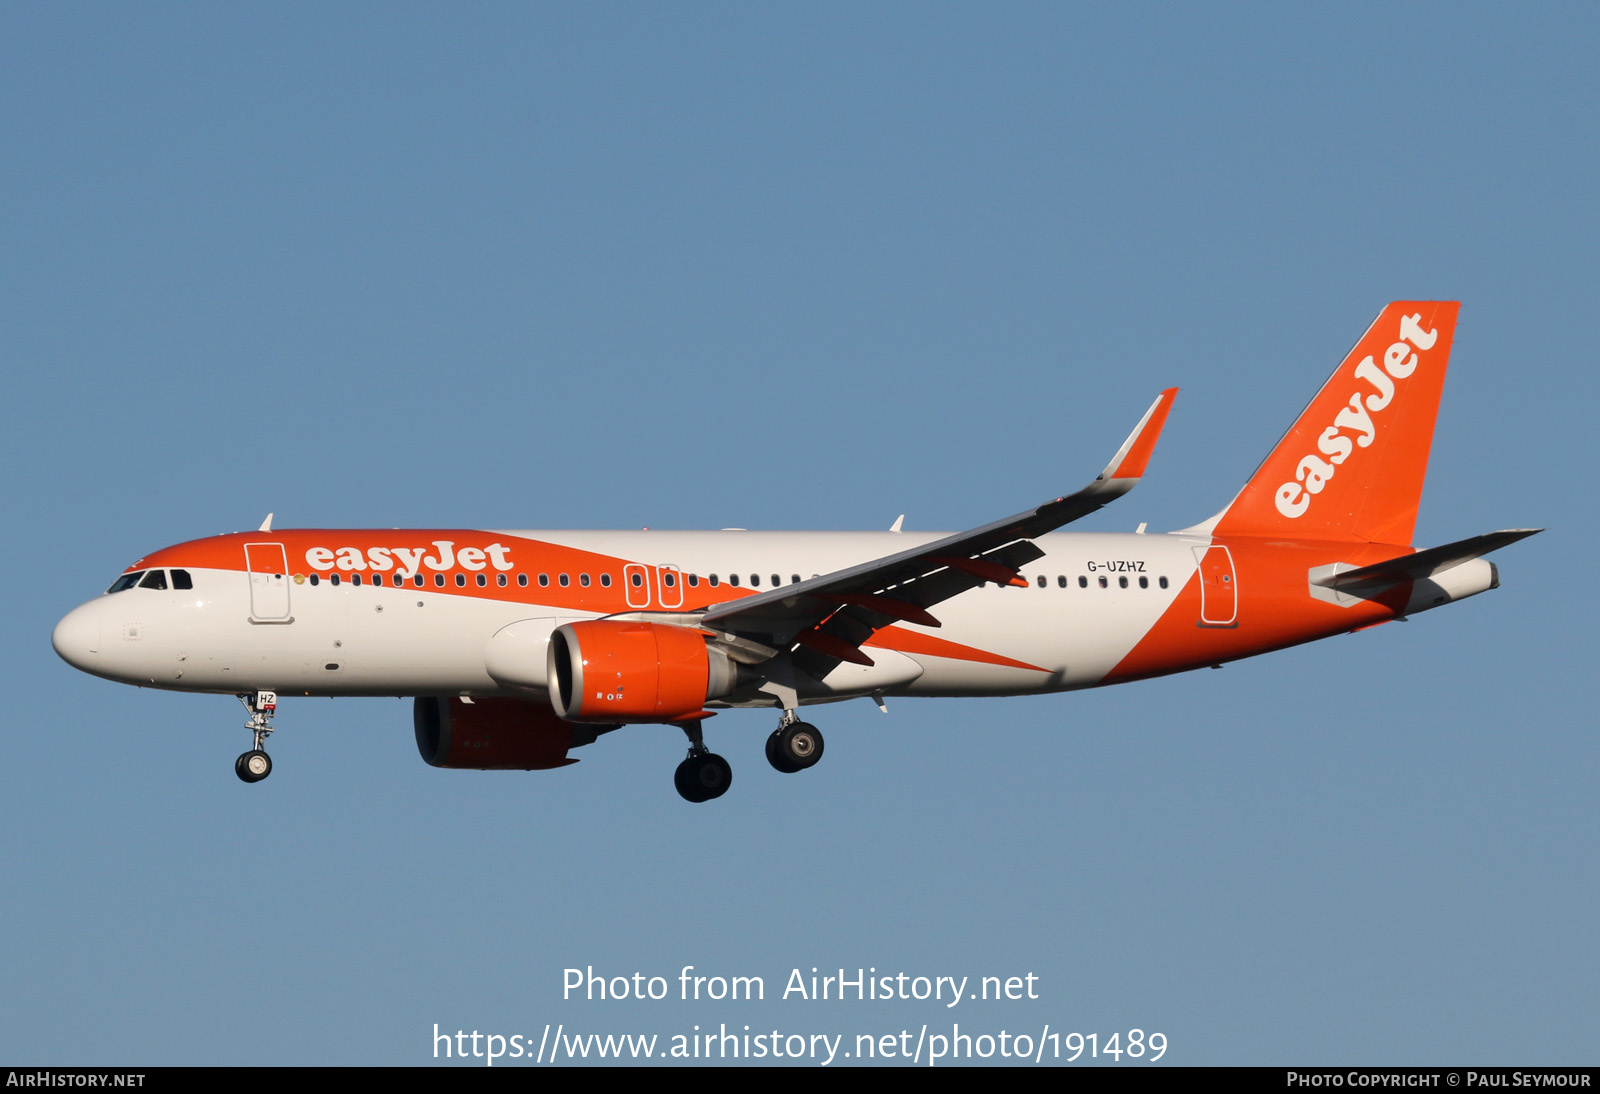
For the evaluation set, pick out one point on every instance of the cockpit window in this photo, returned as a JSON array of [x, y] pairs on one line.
[[154, 579], [126, 581], [181, 580]]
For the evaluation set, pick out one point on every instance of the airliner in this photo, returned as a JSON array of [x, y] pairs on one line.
[[519, 647]]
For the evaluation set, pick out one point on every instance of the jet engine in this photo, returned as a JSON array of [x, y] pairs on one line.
[[494, 734], [604, 670]]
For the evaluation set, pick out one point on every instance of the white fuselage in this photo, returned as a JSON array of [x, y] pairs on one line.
[[1088, 601]]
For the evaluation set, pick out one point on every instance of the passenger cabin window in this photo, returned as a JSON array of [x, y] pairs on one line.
[[461, 581], [501, 580], [438, 580], [355, 579], [605, 581], [1043, 581], [583, 579], [669, 579], [1083, 582], [1162, 582], [522, 580], [733, 579], [713, 580], [635, 580], [377, 579], [544, 580], [755, 581], [565, 580], [694, 581], [794, 579], [333, 579], [154, 579], [1062, 581]]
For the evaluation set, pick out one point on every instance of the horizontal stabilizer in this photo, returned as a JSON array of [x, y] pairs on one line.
[[1423, 564]]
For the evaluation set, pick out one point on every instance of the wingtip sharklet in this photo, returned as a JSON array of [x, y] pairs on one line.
[[1134, 455]]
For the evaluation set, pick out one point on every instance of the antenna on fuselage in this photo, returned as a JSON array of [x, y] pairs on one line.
[[898, 521], [266, 525]]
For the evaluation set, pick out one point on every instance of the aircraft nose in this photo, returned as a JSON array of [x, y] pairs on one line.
[[77, 637]]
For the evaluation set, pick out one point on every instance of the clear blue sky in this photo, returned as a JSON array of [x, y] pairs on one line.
[[791, 266]]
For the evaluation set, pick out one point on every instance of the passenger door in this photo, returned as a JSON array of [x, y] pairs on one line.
[[268, 569], [1219, 592]]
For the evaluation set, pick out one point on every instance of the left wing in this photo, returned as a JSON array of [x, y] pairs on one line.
[[827, 618]]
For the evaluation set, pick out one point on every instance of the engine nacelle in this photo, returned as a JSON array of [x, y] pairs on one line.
[[609, 670], [493, 734]]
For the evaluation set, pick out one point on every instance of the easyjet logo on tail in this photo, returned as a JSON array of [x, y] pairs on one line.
[[1313, 473]]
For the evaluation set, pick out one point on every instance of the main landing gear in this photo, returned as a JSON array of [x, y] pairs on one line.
[[255, 765], [794, 745], [703, 775]]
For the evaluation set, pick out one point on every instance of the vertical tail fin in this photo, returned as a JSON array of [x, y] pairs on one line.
[[1352, 466]]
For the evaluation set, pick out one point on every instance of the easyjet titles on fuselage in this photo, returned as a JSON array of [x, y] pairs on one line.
[[410, 560]]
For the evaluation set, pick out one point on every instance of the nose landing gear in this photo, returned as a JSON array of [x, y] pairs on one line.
[[255, 765]]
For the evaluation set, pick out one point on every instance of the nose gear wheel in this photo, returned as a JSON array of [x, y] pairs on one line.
[[253, 766]]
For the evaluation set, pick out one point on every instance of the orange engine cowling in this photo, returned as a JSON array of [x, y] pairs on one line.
[[609, 670], [488, 734]]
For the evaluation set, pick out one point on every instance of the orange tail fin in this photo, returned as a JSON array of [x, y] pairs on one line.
[[1352, 466]]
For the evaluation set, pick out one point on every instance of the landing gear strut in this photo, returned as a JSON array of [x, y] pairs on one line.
[[703, 775], [794, 745], [255, 765]]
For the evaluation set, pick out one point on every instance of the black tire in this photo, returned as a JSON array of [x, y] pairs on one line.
[[774, 757], [798, 746], [714, 776], [253, 766], [683, 779]]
